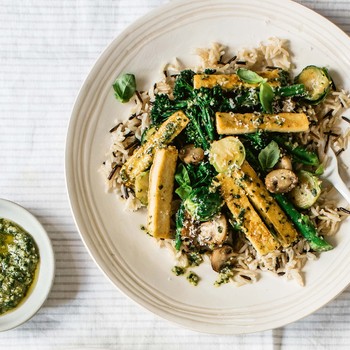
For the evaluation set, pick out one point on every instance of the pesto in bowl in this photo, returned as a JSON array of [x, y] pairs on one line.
[[19, 259]]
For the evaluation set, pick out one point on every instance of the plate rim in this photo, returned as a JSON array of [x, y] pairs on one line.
[[125, 290]]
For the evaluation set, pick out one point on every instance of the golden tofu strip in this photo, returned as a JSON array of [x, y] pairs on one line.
[[263, 202], [161, 184], [232, 81], [246, 216], [142, 159], [237, 123], [245, 123]]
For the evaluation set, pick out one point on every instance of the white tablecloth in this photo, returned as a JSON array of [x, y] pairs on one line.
[[46, 50]]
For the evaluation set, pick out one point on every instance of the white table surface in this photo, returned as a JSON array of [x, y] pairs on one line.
[[47, 47]]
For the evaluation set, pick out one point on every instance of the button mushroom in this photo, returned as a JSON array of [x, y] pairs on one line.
[[284, 163], [213, 232], [281, 181], [190, 154], [221, 256]]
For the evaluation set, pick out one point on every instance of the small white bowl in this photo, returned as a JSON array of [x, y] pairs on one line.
[[45, 277]]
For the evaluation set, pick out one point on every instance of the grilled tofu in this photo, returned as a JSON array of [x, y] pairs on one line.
[[285, 122], [142, 159], [238, 123], [245, 215], [232, 81], [265, 204], [161, 184]]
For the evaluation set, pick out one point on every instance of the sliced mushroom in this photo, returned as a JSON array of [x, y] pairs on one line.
[[213, 232], [284, 163], [281, 181], [190, 154], [220, 256]]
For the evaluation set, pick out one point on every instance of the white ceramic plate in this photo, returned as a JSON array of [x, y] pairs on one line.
[[130, 258], [42, 285]]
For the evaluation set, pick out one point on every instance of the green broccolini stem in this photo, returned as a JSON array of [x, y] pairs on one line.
[[291, 90], [203, 140], [208, 123], [300, 153], [303, 224]]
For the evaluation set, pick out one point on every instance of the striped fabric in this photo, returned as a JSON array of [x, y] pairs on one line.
[[46, 50]]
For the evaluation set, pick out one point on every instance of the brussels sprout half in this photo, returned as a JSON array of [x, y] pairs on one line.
[[307, 191], [226, 153], [317, 83]]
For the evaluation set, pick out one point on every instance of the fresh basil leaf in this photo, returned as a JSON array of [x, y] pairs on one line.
[[181, 176], [250, 77], [183, 179], [125, 87], [269, 156], [183, 191], [266, 96]]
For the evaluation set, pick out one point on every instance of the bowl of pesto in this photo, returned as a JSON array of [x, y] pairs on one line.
[[27, 265]]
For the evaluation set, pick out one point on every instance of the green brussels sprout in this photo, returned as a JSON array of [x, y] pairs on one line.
[[202, 204], [226, 154], [317, 83], [307, 191]]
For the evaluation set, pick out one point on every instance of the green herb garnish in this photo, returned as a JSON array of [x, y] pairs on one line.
[[125, 87], [250, 77], [269, 156], [183, 179], [266, 96], [266, 93]]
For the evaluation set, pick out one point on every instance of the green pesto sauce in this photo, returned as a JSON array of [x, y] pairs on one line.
[[178, 270], [193, 278], [19, 258]]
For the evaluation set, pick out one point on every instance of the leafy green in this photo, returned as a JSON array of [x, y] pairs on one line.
[[194, 131], [183, 179], [283, 77], [258, 140], [164, 107], [250, 77], [266, 93], [183, 88], [266, 96], [125, 87], [202, 204], [246, 100], [269, 156], [196, 105], [191, 176], [208, 100], [201, 174]]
